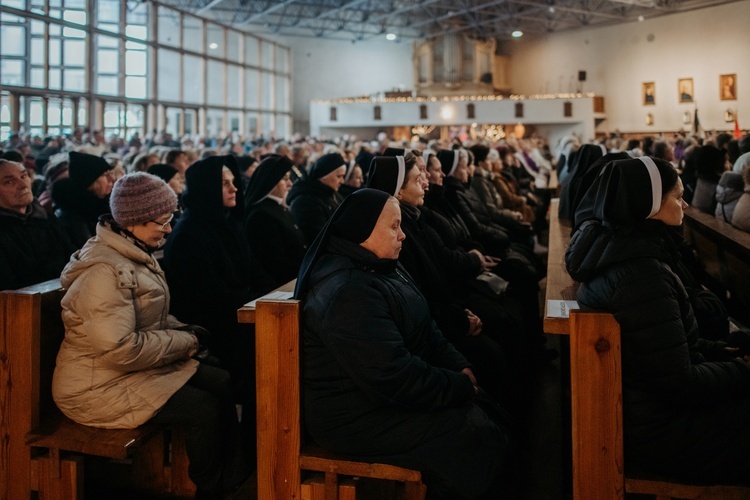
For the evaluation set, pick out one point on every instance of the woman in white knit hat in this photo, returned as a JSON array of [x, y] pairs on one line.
[[125, 360]]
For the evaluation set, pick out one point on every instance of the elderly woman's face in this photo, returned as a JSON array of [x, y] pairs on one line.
[[412, 192], [435, 172], [102, 186], [282, 187], [385, 239], [177, 183], [335, 178], [355, 180], [228, 189], [462, 171], [152, 232], [672, 206]]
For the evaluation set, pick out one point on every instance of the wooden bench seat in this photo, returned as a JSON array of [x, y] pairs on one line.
[[63, 434], [599, 471], [724, 252], [42, 450], [282, 452]]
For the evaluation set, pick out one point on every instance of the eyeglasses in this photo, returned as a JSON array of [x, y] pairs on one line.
[[163, 224]]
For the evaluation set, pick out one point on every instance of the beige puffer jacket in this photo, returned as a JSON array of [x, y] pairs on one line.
[[121, 359]]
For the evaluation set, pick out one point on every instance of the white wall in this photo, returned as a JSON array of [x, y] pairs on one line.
[[330, 69], [700, 44]]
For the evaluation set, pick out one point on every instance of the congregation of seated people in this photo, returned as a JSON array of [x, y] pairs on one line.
[[418, 264]]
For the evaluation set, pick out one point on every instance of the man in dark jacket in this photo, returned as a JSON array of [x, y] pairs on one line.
[[33, 248], [314, 198]]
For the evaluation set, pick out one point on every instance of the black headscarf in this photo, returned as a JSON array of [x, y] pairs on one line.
[[388, 174], [627, 192], [204, 187], [326, 164], [163, 171], [354, 221], [268, 173], [589, 175], [579, 164], [449, 159]]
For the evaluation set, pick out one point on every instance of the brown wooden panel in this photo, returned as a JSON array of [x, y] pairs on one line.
[[68, 485], [278, 399], [686, 491], [560, 286], [317, 459], [19, 389], [596, 406]]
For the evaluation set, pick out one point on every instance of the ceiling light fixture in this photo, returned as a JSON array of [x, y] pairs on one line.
[[517, 34], [390, 37], [640, 19], [213, 45]]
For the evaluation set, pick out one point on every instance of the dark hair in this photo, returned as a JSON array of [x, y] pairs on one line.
[[13, 155], [172, 155], [660, 150]]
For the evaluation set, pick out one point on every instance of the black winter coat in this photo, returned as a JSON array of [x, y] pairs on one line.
[[77, 210], [380, 380], [683, 415], [33, 247], [312, 203], [493, 237], [211, 271], [275, 240]]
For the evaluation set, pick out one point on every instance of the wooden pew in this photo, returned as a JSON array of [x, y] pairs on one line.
[[599, 471], [724, 250], [282, 451], [40, 449]]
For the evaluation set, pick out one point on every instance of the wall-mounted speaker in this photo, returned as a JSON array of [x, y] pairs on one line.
[[581, 76]]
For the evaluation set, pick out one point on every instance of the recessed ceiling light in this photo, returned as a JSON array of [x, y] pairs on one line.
[[213, 45], [517, 34], [640, 19], [551, 9], [390, 36]]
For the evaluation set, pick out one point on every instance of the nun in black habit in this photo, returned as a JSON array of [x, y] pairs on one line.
[[686, 401], [274, 238], [313, 198], [210, 269], [579, 164], [380, 381]]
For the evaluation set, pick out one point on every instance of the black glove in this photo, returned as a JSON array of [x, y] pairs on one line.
[[203, 335]]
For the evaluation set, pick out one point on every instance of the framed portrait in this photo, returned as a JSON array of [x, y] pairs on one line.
[[685, 89], [728, 87], [649, 93]]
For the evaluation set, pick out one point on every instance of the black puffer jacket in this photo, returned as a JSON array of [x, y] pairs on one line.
[[380, 380], [312, 203], [684, 415]]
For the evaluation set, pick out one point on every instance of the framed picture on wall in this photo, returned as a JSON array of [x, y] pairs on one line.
[[685, 89], [728, 87], [649, 93]]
